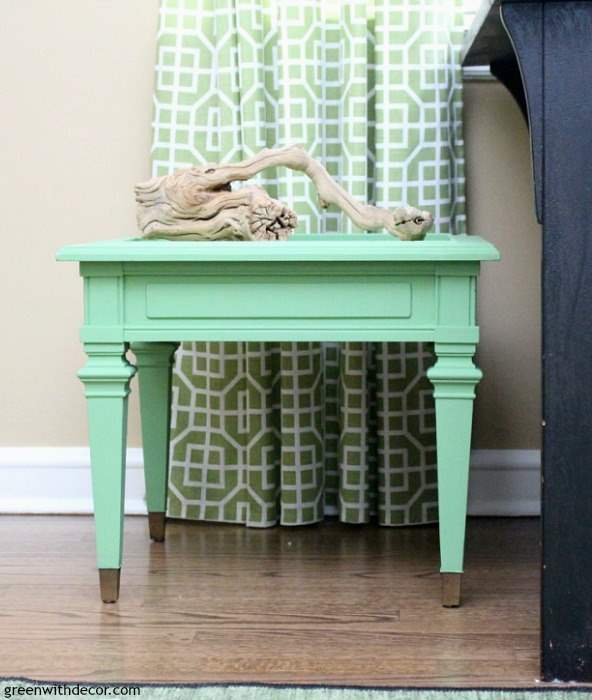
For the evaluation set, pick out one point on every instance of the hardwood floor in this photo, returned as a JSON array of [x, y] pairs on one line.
[[323, 604]]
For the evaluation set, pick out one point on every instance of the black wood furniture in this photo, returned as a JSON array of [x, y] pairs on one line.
[[542, 51]]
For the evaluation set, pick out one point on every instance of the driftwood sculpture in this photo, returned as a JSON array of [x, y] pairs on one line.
[[198, 203]]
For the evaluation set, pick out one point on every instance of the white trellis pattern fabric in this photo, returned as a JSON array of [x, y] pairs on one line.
[[266, 433]]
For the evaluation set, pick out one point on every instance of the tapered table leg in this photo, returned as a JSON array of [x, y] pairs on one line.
[[454, 377], [106, 377], [154, 362]]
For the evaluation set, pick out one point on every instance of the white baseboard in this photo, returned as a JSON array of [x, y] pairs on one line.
[[505, 482], [57, 480]]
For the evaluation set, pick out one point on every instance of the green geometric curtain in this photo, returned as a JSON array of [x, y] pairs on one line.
[[288, 432]]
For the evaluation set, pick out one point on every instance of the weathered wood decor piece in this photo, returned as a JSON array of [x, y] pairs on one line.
[[199, 204]]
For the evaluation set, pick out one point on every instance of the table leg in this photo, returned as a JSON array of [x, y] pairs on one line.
[[154, 362], [454, 377], [106, 378]]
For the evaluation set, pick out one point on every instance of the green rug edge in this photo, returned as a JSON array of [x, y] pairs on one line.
[[22, 687]]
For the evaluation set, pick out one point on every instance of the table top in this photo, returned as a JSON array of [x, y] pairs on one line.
[[301, 247], [486, 38]]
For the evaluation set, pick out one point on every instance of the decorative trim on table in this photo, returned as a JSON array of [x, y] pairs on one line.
[[57, 480]]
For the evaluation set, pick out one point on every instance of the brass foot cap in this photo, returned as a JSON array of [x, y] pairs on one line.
[[156, 526], [109, 581], [451, 590]]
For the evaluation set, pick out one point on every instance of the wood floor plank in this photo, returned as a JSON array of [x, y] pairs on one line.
[[323, 604]]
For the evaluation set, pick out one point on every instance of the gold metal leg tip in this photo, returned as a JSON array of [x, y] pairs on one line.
[[451, 584], [109, 581], [156, 526]]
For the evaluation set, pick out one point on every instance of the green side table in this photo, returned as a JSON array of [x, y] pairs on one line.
[[151, 295]]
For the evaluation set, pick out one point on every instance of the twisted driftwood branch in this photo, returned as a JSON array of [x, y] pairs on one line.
[[197, 203]]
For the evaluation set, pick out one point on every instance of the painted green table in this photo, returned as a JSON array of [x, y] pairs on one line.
[[151, 295]]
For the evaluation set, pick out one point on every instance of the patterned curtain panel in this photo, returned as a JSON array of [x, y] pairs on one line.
[[288, 432]]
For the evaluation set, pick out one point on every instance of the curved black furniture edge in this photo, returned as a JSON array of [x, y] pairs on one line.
[[523, 22], [552, 41], [551, 55], [507, 70], [488, 42]]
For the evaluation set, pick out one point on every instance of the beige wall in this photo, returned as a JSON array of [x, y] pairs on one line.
[[75, 115], [500, 207]]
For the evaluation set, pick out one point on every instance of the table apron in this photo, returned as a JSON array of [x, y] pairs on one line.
[[375, 302]]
